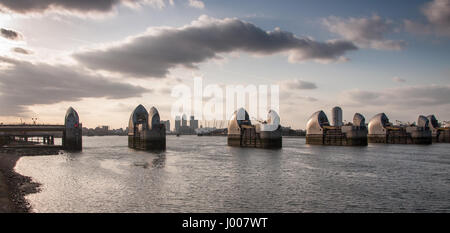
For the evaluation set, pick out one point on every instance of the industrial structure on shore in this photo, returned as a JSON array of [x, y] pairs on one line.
[[320, 132], [383, 131], [42, 136], [145, 131], [242, 133]]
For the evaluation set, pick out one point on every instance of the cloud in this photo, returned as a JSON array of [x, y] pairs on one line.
[[365, 32], [398, 80], [24, 84], [72, 6], [297, 84], [153, 53], [437, 14], [291, 90], [10, 34], [196, 4], [416, 96], [309, 98], [22, 50]]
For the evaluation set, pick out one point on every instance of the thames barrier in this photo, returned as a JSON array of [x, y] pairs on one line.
[[42, 136], [383, 131], [320, 132], [145, 131], [439, 133], [242, 133]]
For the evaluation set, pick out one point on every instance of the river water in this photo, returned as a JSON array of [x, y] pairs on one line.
[[203, 174]]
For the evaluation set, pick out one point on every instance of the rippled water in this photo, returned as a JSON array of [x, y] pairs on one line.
[[202, 174]]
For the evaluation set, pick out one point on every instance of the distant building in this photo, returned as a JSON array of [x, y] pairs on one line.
[[166, 124], [103, 130], [184, 120], [336, 116], [177, 124], [193, 123], [181, 125]]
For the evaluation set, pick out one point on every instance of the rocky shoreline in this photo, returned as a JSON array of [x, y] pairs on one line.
[[14, 186]]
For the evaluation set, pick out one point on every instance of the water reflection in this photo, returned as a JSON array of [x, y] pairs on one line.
[[205, 175], [159, 161]]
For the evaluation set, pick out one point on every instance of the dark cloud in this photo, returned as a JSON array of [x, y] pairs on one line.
[[63, 6], [426, 95], [23, 84], [437, 13], [365, 32], [155, 52], [10, 34], [292, 90], [297, 84], [22, 50]]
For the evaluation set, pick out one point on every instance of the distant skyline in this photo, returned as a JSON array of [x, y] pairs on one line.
[[105, 57]]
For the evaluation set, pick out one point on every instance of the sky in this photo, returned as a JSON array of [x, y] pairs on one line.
[[105, 57]]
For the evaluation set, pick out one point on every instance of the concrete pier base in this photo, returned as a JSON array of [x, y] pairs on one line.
[[148, 140], [441, 136], [258, 140], [402, 137], [72, 139]]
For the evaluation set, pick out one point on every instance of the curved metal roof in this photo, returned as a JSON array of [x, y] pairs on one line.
[[359, 120], [433, 121], [138, 115], [153, 118], [378, 124], [316, 123], [69, 111], [273, 121], [239, 117], [71, 119], [423, 121]]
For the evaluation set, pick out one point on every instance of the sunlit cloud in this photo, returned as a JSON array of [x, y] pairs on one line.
[[154, 53]]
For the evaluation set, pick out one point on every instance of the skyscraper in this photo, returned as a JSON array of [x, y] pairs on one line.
[[184, 120], [177, 124], [193, 124]]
